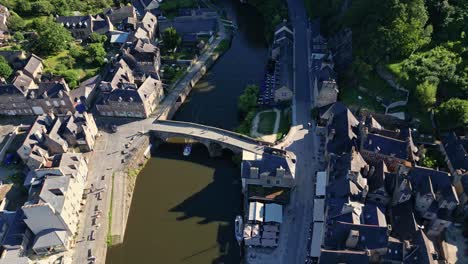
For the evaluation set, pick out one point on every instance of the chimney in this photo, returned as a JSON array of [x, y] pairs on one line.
[[131, 99], [331, 134], [353, 239], [60, 94], [254, 172], [280, 172]]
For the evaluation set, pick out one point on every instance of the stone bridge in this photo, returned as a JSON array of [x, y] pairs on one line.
[[215, 139]]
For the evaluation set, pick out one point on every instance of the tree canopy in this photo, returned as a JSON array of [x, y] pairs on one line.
[[95, 54], [52, 38], [170, 38], [248, 100], [426, 93], [453, 114], [5, 69]]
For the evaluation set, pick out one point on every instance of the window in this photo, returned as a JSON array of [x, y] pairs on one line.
[[56, 104], [47, 103], [62, 102]]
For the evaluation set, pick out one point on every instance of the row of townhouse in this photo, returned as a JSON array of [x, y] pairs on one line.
[[33, 93], [380, 205], [47, 223]]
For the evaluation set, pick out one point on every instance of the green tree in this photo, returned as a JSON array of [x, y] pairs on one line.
[[426, 93], [95, 54], [52, 38], [18, 36], [97, 38], [71, 76], [453, 114], [16, 23], [170, 38], [248, 100], [5, 69], [43, 7]]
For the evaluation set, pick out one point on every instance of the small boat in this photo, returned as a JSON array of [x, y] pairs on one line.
[[187, 149], [239, 228]]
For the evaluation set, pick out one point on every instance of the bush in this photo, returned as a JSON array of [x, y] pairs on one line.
[[453, 114], [5, 69], [248, 100]]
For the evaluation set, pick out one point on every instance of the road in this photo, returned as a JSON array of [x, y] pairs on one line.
[[304, 144]]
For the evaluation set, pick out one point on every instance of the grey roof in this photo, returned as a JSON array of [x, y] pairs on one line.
[[13, 239], [149, 22], [370, 236], [343, 256], [456, 151], [85, 88], [344, 124], [53, 191], [33, 64], [12, 55], [118, 15], [121, 74], [387, 146], [50, 238], [404, 224], [23, 82], [377, 179], [267, 165], [10, 89], [395, 250], [344, 187], [422, 252], [74, 21], [373, 215], [341, 165], [439, 181], [191, 26], [50, 89]]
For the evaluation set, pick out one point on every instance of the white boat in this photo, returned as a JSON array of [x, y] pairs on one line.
[[187, 150], [239, 228]]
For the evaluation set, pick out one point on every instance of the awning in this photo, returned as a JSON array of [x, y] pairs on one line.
[[319, 210], [273, 213], [321, 183], [256, 211]]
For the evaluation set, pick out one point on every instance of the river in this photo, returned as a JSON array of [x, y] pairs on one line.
[[183, 209]]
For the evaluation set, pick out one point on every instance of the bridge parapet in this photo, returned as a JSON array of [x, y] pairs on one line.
[[227, 132]]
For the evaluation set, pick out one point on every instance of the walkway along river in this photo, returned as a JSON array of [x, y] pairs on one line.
[[183, 208]]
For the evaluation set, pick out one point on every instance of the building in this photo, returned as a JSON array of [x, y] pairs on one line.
[[271, 169], [123, 18], [32, 93], [143, 57], [325, 87], [81, 27], [84, 96], [4, 15], [146, 28], [50, 135], [199, 25], [130, 100], [455, 150]]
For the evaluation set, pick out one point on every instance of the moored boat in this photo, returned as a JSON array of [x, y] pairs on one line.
[[239, 227]]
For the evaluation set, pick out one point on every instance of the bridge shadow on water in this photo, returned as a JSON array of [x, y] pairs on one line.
[[219, 201]]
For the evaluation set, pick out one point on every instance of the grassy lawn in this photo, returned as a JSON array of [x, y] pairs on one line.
[[55, 64], [285, 123], [266, 122], [350, 96], [376, 86]]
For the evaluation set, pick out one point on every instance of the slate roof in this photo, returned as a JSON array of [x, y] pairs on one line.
[[10, 89], [118, 15], [404, 225], [344, 187], [456, 152], [69, 21], [192, 26], [373, 215], [23, 82], [343, 256], [341, 165], [395, 250], [50, 89], [422, 252], [387, 146], [13, 239], [377, 179], [344, 125], [370, 237], [424, 179], [267, 165], [50, 238], [33, 64]]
